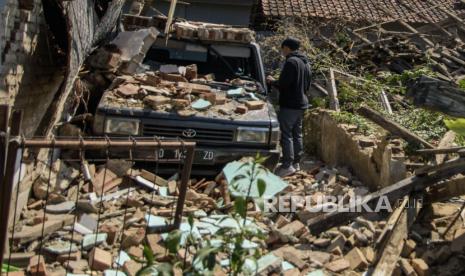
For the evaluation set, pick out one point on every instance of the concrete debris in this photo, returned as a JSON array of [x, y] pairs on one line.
[[133, 46], [84, 243]]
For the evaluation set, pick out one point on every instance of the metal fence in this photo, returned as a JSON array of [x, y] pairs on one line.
[[86, 195]]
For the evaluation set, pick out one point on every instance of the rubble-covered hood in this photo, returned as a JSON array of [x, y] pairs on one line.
[[168, 95]]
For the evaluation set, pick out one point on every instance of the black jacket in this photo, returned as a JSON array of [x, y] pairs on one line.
[[294, 82]]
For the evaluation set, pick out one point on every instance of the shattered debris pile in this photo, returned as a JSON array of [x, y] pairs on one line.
[[98, 218], [181, 90]]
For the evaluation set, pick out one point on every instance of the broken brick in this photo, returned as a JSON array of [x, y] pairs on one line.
[[338, 265], [420, 267], [241, 109], [153, 241], [369, 254], [136, 252], [180, 103], [131, 267], [195, 88], [211, 97], [406, 268], [255, 105], [112, 232], [173, 77], [100, 259], [220, 99], [105, 175], [409, 246], [281, 221], [128, 90], [74, 256], [156, 101], [356, 259], [133, 237], [337, 243], [191, 72], [295, 228], [294, 259], [37, 266]]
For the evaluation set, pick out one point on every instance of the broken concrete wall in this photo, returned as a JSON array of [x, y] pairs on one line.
[[30, 68], [373, 162], [87, 25]]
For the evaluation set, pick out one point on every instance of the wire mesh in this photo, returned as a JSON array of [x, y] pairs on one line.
[[89, 206]]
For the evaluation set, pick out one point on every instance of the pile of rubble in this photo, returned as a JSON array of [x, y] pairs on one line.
[[98, 218], [181, 90]]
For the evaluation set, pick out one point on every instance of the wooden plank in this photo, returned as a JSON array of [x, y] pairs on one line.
[[385, 102], [392, 193], [332, 91], [407, 26], [446, 141], [427, 18], [389, 253], [392, 127], [441, 150]]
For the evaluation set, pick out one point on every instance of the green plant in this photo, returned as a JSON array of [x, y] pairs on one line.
[[363, 126], [7, 268], [231, 240], [462, 84]]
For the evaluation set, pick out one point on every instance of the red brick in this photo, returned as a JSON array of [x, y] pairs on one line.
[[133, 237], [241, 109], [37, 266], [100, 259], [356, 259]]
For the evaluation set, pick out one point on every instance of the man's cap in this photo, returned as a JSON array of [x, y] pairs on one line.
[[291, 43]]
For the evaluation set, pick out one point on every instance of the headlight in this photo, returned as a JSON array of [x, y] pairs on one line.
[[275, 135], [122, 126], [252, 135]]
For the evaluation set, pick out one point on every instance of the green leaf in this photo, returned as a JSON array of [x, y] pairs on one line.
[[173, 241], [261, 159], [190, 219], [240, 206], [206, 255], [6, 268], [148, 253], [261, 185], [457, 125]]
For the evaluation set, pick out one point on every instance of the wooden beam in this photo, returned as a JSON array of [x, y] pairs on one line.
[[441, 150], [332, 91], [397, 229], [392, 127], [391, 193], [446, 141], [427, 18]]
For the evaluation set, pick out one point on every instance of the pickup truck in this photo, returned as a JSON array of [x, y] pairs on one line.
[[221, 134]]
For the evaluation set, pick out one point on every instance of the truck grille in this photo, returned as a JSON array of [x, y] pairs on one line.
[[202, 134]]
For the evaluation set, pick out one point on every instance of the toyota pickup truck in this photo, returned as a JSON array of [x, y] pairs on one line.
[[223, 132]]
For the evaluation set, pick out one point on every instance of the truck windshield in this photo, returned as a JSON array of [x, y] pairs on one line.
[[224, 61]]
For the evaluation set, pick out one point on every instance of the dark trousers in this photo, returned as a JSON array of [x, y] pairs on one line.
[[290, 122]]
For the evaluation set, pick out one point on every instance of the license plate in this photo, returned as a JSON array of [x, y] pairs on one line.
[[200, 156]]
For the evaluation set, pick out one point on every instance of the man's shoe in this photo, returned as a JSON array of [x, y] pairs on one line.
[[283, 171], [296, 167]]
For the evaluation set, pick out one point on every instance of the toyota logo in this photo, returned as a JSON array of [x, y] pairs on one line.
[[189, 133]]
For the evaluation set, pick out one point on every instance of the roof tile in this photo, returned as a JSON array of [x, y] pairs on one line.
[[371, 10]]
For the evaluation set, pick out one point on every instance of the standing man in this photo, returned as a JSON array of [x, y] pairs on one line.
[[293, 84]]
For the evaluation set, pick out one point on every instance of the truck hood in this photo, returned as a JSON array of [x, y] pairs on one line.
[[130, 97]]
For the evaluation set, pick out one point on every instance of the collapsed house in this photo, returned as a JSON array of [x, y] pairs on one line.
[[98, 217]]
